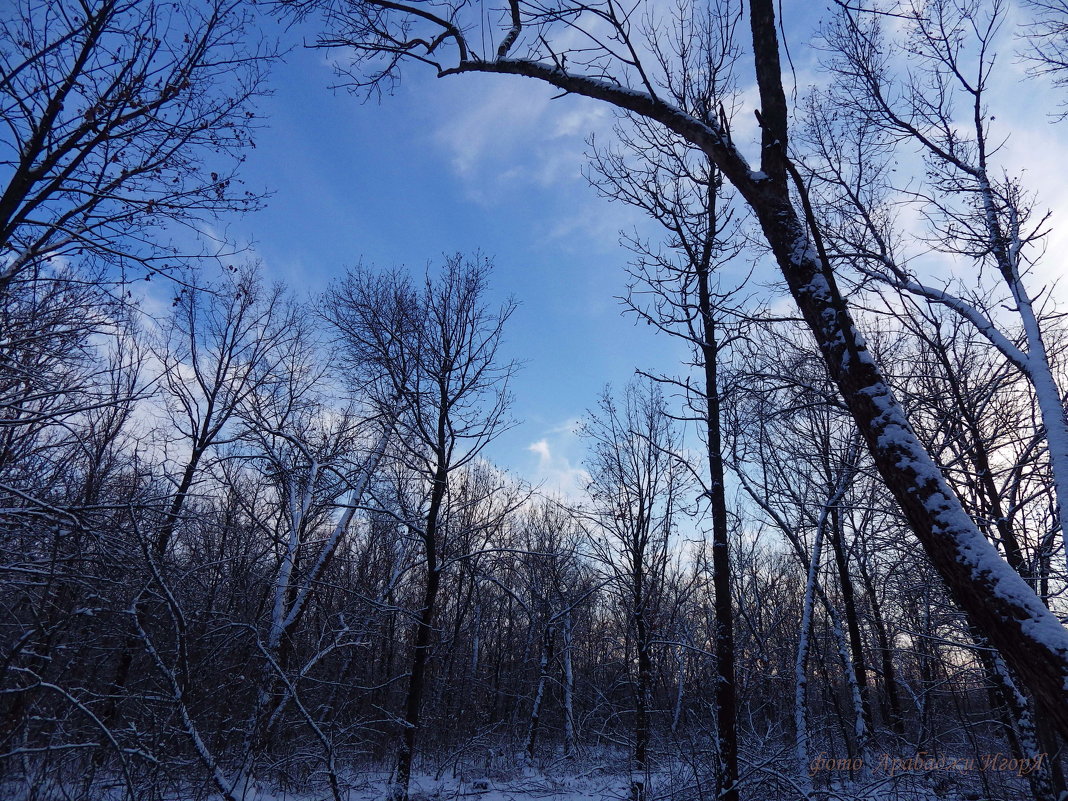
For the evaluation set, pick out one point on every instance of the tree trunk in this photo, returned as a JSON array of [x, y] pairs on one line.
[[726, 696], [425, 626], [892, 709], [849, 609], [569, 687], [643, 682], [1009, 704], [416, 688], [539, 694], [1001, 604]]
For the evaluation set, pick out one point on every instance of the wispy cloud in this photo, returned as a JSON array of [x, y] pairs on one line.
[[516, 136]]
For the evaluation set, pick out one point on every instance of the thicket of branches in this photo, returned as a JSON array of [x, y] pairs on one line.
[[255, 544]]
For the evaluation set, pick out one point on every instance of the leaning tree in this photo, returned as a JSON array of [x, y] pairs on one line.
[[610, 53]]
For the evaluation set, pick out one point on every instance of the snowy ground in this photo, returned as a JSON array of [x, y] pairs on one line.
[[475, 786], [594, 785], [499, 779]]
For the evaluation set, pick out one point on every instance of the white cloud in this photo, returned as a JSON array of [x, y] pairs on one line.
[[541, 447], [556, 469]]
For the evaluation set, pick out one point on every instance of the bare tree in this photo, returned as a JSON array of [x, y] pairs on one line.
[[636, 483], [607, 65], [220, 346], [796, 457], [121, 119], [72, 379], [551, 581], [224, 344], [1047, 43], [975, 212], [429, 352], [679, 289]]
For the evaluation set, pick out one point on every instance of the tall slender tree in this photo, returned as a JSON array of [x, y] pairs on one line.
[[430, 352], [636, 486]]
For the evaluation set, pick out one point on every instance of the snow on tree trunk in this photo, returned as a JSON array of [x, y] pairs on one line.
[[539, 693], [803, 646], [801, 748], [1022, 719], [983, 585], [680, 689], [569, 685], [1027, 634]]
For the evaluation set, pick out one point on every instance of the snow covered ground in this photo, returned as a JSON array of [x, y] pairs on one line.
[[592, 783]]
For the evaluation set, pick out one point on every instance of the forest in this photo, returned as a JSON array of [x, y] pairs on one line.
[[254, 544]]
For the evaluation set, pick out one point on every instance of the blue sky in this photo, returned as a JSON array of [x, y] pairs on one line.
[[492, 163], [475, 163]]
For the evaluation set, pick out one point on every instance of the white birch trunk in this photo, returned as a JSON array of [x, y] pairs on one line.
[[801, 748], [680, 689], [569, 686]]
